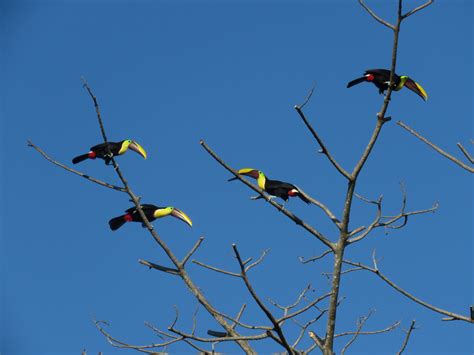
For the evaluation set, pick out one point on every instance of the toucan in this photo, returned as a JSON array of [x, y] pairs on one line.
[[274, 188], [152, 212], [116, 148], [381, 79]]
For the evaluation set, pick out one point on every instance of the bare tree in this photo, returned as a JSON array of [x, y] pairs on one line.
[[279, 317]]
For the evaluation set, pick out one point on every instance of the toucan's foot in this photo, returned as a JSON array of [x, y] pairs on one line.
[[255, 197]]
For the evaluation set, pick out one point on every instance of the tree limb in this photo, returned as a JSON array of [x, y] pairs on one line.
[[97, 181], [376, 271], [435, 147], [407, 337]]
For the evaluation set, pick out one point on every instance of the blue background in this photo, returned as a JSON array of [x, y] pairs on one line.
[[170, 73]]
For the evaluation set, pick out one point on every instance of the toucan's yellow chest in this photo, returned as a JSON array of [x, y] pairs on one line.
[[261, 180], [124, 147]]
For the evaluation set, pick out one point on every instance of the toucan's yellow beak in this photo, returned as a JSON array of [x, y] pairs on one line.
[[416, 88], [182, 216], [246, 171], [249, 172], [138, 149]]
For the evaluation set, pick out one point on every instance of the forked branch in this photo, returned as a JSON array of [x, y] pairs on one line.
[[375, 270], [438, 149]]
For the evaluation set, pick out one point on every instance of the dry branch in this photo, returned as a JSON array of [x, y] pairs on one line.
[[435, 147], [376, 271], [407, 337], [90, 178]]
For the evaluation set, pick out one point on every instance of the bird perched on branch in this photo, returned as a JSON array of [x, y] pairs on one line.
[[274, 188], [151, 212], [116, 148], [381, 79]]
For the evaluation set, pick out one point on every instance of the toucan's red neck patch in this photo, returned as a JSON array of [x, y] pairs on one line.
[[292, 193], [369, 77], [92, 155], [128, 217]]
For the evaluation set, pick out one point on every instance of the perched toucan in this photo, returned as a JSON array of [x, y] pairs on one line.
[[274, 188], [381, 79], [116, 148], [152, 212]]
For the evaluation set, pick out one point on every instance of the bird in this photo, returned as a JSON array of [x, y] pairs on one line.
[[116, 148], [381, 79], [274, 188], [151, 212]]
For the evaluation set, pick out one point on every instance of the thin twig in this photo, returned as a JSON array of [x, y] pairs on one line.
[[360, 323], [213, 268], [373, 332], [159, 267], [465, 152], [377, 18], [324, 149], [276, 325], [435, 147], [102, 183], [192, 251], [407, 337], [408, 295], [421, 7], [314, 258]]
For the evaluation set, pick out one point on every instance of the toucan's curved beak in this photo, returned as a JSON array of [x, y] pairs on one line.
[[182, 216], [137, 148], [246, 171], [416, 88]]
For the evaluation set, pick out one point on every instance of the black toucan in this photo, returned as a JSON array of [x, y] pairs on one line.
[[152, 212], [274, 188], [381, 79], [116, 148]]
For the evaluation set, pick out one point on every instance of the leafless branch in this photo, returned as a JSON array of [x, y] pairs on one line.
[[305, 308], [465, 152], [377, 18], [159, 267], [90, 178], [435, 147], [318, 341], [280, 208], [258, 261], [276, 325], [294, 304], [421, 7], [305, 327], [192, 251], [407, 337], [213, 268], [360, 323], [314, 258], [324, 149], [388, 329], [376, 271], [326, 210], [239, 315]]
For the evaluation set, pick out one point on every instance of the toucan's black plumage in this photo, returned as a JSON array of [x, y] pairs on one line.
[[276, 188], [151, 212], [116, 148], [381, 79]]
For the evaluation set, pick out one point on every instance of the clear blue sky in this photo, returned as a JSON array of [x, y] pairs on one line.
[[170, 73]]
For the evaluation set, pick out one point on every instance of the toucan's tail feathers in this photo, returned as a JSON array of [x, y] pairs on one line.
[[356, 81], [117, 222], [80, 158]]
